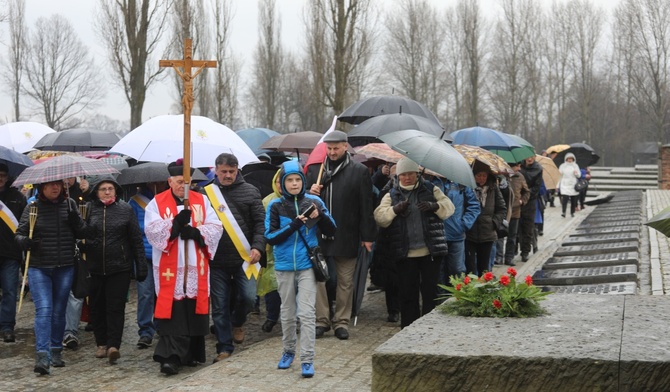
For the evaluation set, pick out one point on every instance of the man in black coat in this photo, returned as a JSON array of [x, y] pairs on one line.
[[346, 189], [532, 172], [12, 203], [229, 193]]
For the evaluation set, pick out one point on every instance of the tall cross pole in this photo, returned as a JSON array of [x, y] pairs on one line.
[[186, 64]]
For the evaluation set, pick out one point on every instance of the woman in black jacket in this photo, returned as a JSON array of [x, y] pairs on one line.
[[111, 254], [51, 268]]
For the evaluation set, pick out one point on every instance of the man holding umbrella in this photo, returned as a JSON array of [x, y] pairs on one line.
[[346, 189], [12, 203]]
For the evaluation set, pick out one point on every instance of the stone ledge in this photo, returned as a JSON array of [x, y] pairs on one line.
[[586, 343]]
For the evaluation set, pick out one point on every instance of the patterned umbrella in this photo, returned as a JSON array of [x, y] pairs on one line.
[[62, 167], [493, 161], [379, 151]]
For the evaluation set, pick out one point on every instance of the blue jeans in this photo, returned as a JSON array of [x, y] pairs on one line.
[[9, 282], [272, 305], [454, 262], [223, 283], [73, 316], [50, 289], [145, 305]]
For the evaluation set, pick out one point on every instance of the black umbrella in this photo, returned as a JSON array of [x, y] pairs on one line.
[[260, 175], [384, 104], [369, 130], [360, 280], [585, 155], [151, 172], [80, 139], [16, 162]]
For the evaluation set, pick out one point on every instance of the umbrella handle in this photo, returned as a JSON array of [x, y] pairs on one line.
[[318, 179]]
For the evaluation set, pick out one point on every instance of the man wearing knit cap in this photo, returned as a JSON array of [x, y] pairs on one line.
[[12, 203], [346, 189], [182, 290]]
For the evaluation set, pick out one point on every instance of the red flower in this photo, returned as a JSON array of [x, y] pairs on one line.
[[488, 276], [466, 280], [458, 287], [511, 271], [504, 280], [529, 280], [497, 304]]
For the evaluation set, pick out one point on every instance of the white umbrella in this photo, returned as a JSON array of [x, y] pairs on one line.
[[21, 136], [161, 139]]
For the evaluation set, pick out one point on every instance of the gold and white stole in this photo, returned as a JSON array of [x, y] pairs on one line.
[[8, 217], [141, 200], [233, 229]]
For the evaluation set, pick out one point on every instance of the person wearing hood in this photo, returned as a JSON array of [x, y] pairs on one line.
[[286, 223], [112, 255], [414, 214], [570, 173], [532, 173], [51, 269], [12, 203], [267, 283]]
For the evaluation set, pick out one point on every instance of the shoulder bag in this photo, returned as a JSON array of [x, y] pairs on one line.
[[319, 265], [82, 279]]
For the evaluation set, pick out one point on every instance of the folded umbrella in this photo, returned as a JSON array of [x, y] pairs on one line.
[[360, 280], [432, 153]]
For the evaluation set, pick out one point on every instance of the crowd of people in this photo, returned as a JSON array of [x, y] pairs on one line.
[[195, 251]]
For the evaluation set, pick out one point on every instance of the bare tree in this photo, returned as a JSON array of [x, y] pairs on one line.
[[413, 52], [268, 65], [227, 75], [62, 77], [471, 22], [339, 43], [13, 73], [644, 26], [131, 31]]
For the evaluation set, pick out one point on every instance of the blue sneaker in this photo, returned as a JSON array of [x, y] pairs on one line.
[[307, 370], [286, 360]]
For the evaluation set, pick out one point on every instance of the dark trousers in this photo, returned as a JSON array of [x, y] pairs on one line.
[[417, 275], [108, 307], [527, 226], [510, 246], [573, 203], [477, 257]]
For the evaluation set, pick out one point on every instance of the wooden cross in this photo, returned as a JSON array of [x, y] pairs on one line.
[[187, 100], [167, 274]]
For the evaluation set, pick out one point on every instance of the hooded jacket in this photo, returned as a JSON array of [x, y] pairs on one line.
[[533, 175], [116, 242], [283, 228], [570, 174]]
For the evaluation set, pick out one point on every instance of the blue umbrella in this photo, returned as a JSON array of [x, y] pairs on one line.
[[15, 161], [495, 141], [255, 137]]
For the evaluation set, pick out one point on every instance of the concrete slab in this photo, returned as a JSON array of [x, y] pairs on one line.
[[605, 230], [573, 276], [598, 289], [601, 239], [597, 249], [575, 347], [601, 260]]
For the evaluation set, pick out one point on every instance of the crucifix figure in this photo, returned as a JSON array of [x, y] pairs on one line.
[[186, 64]]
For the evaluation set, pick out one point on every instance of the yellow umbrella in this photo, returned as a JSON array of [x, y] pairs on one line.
[[550, 173], [557, 148]]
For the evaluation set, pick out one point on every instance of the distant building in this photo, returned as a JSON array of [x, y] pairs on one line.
[[645, 153]]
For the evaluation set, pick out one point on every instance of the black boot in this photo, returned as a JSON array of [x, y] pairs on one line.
[[57, 357], [42, 363]]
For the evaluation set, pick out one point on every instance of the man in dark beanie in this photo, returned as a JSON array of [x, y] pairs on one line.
[[12, 203]]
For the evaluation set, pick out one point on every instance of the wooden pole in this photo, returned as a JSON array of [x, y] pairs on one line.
[[32, 219]]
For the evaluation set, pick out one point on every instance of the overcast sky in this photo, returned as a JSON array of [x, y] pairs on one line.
[[244, 38]]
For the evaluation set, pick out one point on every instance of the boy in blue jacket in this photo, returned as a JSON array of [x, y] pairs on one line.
[[285, 224]]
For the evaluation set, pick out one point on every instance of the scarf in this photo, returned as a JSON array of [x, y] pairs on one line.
[[481, 194], [328, 175]]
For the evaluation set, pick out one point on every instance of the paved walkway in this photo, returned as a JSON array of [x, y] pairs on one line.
[[339, 365]]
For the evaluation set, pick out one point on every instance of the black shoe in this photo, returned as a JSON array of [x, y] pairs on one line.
[[572, 215], [169, 368], [144, 342], [563, 215], [342, 333], [510, 263], [88, 327], [71, 342], [268, 325], [524, 258], [393, 317], [320, 331], [212, 329], [373, 287], [8, 337]]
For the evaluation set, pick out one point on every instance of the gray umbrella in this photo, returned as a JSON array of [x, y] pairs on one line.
[[432, 153], [80, 139], [384, 104], [370, 130], [151, 172]]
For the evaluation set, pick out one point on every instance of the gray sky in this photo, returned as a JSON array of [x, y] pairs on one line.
[[244, 36]]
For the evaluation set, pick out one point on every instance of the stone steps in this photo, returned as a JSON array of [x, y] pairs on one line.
[[613, 179]]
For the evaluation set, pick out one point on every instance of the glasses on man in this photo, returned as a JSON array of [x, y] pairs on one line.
[[106, 189]]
